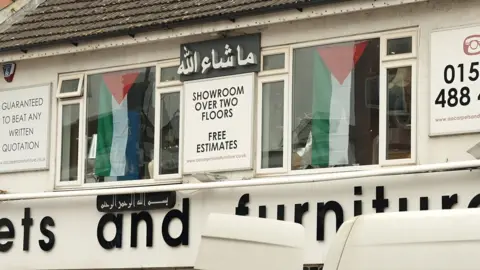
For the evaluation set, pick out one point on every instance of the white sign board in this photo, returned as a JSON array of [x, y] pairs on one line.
[[454, 81], [218, 124], [24, 128]]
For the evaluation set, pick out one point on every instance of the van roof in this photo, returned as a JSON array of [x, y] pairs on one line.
[[416, 227], [434, 239]]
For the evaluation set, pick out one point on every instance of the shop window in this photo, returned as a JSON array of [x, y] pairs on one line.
[[397, 46], [109, 134], [271, 130], [169, 124], [69, 158], [70, 86], [274, 61], [332, 126], [120, 117], [399, 112], [347, 106], [168, 74]]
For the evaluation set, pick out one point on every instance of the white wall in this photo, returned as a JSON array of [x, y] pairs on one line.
[[77, 246]]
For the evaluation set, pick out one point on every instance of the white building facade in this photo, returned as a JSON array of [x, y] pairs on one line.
[[348, 87]]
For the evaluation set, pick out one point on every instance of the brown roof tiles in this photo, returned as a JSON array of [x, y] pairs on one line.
[[74, 20]]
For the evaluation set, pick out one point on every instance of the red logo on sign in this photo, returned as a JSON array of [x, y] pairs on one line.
[[471, 45]]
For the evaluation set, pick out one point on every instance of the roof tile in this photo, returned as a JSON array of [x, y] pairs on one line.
[[66, 20]]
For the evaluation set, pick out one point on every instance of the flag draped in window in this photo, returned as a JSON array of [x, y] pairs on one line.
[[332, 107], [118, 127]]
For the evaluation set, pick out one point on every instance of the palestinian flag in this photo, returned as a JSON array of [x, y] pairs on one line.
[[332, 107], [118, 127]]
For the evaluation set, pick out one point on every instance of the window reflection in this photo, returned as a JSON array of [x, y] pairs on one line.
[[169, 133], [120, 125], [274, 61], [272, 124], [334, 121], [70, 132], [399, 113], [69, 86]]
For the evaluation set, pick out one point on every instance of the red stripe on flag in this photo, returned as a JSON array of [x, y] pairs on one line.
[[341, 59], [119, 83]]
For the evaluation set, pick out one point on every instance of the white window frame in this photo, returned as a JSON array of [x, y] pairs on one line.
[[76, 93], [395, 35], [383, 113], [258, 154], [273, 51], [166, 64], [168, 178], [82, 100], [383, 37], [58, 164]]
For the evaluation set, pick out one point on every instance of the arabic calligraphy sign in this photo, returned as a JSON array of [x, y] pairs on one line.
[[219, 57], [135, 202]]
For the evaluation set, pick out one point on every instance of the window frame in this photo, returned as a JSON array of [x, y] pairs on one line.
[[383, 37], [82, 100], [413, 33], [285, 74], [285, 50], [166, 64], [77, 93], [382, 145], [258, 148], [168, 178], [58, 163]]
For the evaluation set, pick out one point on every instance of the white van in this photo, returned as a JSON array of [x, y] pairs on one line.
[[420, 240], [231, 242]]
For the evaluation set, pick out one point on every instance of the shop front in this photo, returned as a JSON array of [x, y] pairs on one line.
[[313, 97]]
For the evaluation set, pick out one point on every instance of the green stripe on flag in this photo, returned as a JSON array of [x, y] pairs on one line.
[[322, 93], [105, 127]]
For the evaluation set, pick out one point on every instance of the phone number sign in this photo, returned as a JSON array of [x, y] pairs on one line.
[[455, 81]]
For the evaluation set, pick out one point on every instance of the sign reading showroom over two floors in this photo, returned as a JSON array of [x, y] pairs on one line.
[[24, 128], [219, 78]]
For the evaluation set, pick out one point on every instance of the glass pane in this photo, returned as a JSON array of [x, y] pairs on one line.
[[274, 61], [272, 124], [399, 142], [169, 74], [335, 116], [69, 86], [169, 133], [120, 125], [399, 46], [70, 132]]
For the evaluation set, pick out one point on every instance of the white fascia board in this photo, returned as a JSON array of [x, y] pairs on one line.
[[206, 28]]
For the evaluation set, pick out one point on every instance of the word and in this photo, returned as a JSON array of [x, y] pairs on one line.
[[192, 64], [380, 203], [8, 232], [455, 96], [20, 104], [117, 219], [217, 141], [217, 103]]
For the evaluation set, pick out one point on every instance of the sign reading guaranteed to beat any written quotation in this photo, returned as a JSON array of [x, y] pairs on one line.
[[455, 81], [24, 128]]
